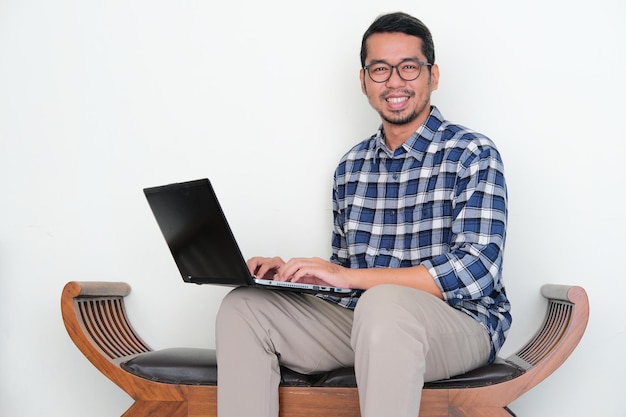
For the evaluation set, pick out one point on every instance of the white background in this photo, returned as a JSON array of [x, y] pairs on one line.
[[99, 99]]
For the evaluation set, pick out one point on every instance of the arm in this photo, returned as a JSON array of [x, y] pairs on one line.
[[316, 270], [471, 269], [470, 266]]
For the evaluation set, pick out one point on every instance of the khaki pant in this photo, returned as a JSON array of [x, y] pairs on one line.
[[396, 339]]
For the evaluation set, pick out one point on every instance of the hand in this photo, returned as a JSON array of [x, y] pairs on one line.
[[264, 268], [314, 271]]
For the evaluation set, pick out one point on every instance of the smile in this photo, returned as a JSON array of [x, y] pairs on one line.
[[396, 100]]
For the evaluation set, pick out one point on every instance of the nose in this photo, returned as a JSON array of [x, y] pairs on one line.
[[395, 78]]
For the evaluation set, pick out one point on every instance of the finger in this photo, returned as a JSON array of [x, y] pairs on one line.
[[253, 264], [303, 270], [266, 267], [266, 271], [288, 269]]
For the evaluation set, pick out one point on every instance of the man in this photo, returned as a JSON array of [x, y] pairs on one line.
[[419, 230]]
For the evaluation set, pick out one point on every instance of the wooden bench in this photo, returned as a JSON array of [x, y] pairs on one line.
[[181, 382]]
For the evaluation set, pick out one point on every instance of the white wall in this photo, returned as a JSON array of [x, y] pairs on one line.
[[99, 99]]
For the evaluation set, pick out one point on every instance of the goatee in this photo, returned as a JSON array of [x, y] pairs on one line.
[[400, 120]]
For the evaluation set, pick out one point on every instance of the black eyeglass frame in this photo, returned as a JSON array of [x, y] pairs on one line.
[[421, 64]]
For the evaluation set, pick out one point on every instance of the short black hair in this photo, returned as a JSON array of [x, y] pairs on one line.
[[402, 23]]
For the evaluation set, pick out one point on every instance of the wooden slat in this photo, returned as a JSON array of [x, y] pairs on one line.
[[555, 326], [123, 328], [93, 327]]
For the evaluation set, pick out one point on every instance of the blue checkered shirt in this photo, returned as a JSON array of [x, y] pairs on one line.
[[438, 200]]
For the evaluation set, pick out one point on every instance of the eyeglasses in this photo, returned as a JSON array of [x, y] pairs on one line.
[[408, 70]]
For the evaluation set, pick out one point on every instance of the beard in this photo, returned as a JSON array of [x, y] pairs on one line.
[[399, 119]]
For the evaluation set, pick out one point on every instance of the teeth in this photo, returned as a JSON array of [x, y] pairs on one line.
[[396, 99]]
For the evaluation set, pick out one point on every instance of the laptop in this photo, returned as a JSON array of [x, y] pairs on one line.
[[201, 242]]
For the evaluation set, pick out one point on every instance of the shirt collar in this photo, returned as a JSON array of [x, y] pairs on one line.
[[417, 144]]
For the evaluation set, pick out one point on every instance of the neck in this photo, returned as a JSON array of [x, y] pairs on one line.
[[396, 135]]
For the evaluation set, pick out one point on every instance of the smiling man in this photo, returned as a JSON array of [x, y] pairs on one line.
[[420, 211]]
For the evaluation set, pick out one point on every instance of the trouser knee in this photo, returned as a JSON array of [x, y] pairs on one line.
[[235, 305], [386, 312]]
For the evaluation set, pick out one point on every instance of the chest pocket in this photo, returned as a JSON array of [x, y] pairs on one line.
[[431, 211], [431, 221]]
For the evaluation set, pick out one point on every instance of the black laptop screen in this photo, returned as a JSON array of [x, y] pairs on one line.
[[199, 238]]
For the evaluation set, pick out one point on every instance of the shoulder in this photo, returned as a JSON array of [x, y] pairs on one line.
[[358, 154], [463, 144], [454, 140], [362, 149]]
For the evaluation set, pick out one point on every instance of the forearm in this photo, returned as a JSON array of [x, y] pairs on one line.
[[414, 277]]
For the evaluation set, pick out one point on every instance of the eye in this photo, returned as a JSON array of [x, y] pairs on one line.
[[380, 69]]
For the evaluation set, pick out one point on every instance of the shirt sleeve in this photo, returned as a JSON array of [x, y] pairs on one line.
[[471, 269], [339, 244]]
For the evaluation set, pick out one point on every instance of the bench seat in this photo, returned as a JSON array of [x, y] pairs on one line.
[[193, 366]]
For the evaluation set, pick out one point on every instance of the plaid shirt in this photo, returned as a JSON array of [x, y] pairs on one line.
[[438, 200]]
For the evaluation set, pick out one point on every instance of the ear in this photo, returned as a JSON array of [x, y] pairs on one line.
[[434, 77], [362, 78]]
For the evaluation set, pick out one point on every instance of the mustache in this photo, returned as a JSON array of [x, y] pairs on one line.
[[385, 94]]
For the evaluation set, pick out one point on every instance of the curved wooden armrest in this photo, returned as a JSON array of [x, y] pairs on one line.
[[95, 318], [563, 327]]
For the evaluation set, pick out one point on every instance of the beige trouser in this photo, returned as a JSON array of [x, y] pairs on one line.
[[396, 339]]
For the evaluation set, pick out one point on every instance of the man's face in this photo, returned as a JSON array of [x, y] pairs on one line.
[[399, 102]]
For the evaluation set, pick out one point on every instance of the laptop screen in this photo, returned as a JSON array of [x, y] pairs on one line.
[[197, 233]]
